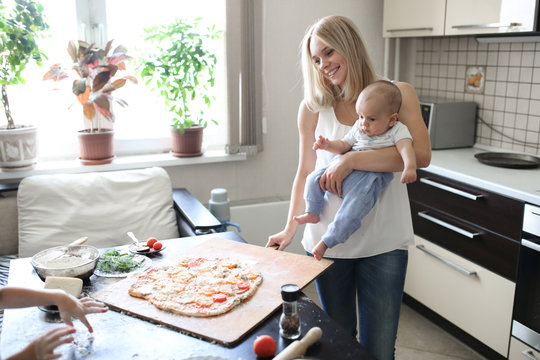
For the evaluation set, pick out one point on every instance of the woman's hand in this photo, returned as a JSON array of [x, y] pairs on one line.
[[282, 239], [334, 175]]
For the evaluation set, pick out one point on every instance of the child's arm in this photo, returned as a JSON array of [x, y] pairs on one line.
[[333, 146], [68, 306], [406, 151], [43, 347]]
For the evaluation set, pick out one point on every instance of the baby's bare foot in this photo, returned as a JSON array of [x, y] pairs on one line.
[[307, 218]]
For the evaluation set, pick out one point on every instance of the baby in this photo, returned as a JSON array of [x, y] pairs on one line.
[[378, 127]]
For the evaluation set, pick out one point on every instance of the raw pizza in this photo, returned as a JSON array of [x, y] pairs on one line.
[[197, 286]]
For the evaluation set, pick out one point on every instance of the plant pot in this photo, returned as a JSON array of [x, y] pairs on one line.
[[96, 148], [18, 147], [187, 144]]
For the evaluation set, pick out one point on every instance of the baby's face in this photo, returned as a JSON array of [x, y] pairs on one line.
[[374, 116]]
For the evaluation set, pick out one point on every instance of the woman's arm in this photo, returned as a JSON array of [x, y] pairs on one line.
[[387, 159], [307, 122]]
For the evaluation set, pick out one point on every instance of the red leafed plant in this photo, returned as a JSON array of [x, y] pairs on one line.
[[97, 78]]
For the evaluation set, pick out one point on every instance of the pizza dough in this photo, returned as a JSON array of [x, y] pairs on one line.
[[197, 286]]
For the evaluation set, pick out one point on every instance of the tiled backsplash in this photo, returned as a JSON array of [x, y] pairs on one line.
[[510, 103]]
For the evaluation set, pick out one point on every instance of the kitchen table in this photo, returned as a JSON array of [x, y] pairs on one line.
[[120, 336]]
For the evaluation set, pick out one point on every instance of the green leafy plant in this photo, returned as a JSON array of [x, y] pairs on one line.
[[95, 78], [182, 69], [20, 27]]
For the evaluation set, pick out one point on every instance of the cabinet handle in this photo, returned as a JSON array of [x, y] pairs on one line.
[[411, 29], [486, 26], [529, 354], [531, 245], [447, 262], [451, 189], [423, 214]]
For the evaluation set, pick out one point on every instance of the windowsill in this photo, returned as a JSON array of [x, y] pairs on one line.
[[120, 163]]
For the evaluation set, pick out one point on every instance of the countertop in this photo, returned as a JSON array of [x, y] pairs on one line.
[[118, 335], [461, 165]]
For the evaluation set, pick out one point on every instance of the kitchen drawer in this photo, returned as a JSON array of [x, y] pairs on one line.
[[483, 208], [479, 303], [521, 351], [488, 249]]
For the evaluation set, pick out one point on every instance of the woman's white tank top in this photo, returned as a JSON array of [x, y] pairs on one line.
[[387, 227]]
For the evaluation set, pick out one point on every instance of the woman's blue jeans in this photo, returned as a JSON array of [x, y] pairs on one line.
[[378, 283]]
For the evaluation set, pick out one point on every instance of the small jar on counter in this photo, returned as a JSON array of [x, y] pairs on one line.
[[289, 322]]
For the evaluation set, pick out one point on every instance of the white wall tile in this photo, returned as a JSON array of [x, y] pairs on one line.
[[513, 74], [511, 98], [515, 58]]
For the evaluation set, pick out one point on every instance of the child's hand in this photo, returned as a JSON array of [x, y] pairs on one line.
[[408, 176], [321, 143], [43, 347], [319, 250], [69, 306]]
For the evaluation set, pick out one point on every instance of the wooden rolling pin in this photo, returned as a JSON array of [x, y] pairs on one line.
[[299, 347]]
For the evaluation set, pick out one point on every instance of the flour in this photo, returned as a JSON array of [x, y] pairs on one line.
[[65, 262]]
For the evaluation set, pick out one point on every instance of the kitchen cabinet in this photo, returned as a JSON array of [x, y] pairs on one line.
[[413, 18], [464, 17], [464, 260], [407, 18], [520, 351], [468, 295]]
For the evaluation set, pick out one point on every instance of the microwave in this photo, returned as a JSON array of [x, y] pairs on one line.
[[451, 124]]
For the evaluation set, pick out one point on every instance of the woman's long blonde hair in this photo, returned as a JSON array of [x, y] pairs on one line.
[[339, 33]]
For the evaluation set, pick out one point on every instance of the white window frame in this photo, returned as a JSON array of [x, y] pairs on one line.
[[243, 56]]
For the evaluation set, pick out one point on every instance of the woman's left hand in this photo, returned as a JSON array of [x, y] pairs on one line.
[[335, 173]]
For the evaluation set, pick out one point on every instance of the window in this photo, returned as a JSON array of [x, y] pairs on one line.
[[143, 126]]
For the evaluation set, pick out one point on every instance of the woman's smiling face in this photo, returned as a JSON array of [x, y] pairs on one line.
[[330, 63]]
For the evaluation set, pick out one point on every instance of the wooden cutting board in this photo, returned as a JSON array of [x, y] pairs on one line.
[[277, 268]]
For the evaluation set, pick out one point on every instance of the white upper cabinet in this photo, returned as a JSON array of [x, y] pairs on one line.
[[465, 17], [407, 18]]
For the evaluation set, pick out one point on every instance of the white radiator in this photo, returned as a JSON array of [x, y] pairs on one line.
[[258, 221]]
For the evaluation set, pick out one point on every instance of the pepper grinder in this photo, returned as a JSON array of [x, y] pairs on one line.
[[289, 322]]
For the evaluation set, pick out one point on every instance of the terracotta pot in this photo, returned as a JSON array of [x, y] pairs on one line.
[[18, 147], [187, 144], [96, 148]]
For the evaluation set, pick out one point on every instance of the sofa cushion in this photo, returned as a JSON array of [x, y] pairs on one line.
[[57, 209], [8, 223]]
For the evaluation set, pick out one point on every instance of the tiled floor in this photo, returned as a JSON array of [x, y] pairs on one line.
[[420, 339]]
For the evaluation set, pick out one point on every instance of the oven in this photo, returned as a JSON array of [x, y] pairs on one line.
[[526, 318]]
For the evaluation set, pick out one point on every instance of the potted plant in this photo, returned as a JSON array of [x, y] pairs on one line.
[[20, 27], [182, 69], [96, 78]]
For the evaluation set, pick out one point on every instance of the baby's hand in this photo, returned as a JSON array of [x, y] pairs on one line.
[[319, 250], [321, 143], [408, 176]]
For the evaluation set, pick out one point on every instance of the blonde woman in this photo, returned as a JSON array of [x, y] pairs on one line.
[[371, 264]]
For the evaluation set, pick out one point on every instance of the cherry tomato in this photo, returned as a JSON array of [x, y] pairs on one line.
[[219, 297], [242, 285], [157, 245], [150, 242], [264, 346]]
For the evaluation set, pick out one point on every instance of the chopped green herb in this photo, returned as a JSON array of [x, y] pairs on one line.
[[115, 261]]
